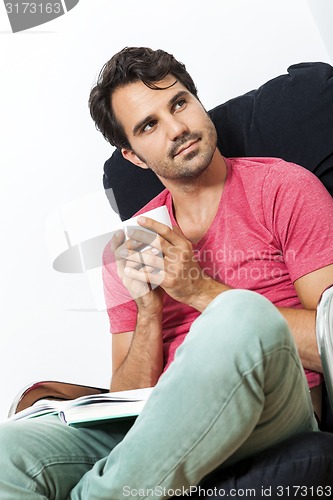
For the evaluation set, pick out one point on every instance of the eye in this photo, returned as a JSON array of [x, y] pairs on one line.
[[148, 126], [179, 104]]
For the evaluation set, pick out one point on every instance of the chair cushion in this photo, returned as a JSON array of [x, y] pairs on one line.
[[305, 460], [290, 117]]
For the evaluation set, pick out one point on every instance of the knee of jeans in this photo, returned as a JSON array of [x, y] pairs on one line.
[[246, 315]]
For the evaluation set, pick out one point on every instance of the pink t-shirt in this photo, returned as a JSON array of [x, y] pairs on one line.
[[272, 227]]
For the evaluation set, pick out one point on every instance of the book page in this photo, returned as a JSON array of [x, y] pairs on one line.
[[120, 396], [101, 412], [46, 406]]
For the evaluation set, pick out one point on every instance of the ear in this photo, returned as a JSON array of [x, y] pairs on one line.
[[129, 155]]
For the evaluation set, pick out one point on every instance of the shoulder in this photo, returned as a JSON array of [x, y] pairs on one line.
[[277, 191], [273, 173], [260, 166], [297, 184]]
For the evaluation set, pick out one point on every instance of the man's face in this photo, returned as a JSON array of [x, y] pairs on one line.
[[169, 130]]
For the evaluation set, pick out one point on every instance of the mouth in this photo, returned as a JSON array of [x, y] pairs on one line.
[[187, 148]]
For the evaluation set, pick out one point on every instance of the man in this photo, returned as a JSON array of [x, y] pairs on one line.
[[195, 195], [227, 393]]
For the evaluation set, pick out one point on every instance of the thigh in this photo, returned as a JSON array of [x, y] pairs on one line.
[[43, 458], [236, 387]]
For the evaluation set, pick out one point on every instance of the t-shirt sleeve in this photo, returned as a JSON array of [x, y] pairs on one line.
[[299, 212], [121, 308]]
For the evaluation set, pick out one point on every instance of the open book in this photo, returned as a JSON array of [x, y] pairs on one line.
[[90, 410]]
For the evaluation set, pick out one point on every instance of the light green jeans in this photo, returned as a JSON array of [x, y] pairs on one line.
[[236, 386]]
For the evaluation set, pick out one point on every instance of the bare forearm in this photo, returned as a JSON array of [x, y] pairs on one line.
[[206, 292], [144, 362], [302, 323]]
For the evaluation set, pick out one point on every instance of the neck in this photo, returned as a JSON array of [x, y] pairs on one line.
[[196, 202]]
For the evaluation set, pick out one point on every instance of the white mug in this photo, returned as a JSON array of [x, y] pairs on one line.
[[160, 214]]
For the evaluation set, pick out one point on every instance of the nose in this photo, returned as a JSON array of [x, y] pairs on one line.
[[175, 127]]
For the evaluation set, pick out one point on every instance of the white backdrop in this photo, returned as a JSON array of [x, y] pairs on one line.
[[51, 155]]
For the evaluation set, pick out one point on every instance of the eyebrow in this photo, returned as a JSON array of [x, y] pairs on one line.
[[149, 118]]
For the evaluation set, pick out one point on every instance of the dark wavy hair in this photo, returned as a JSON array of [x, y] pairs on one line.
[[130, 65]]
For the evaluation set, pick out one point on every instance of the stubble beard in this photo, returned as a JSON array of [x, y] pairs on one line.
[[192, 164]]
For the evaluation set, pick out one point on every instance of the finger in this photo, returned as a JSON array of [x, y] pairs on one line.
[[133, 244], [153, 260], [151, 257], [139, 266], [133, 273], [171, 235], [145, 276], [132, 265], [144, 236], [125, 246], [121, 262]]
